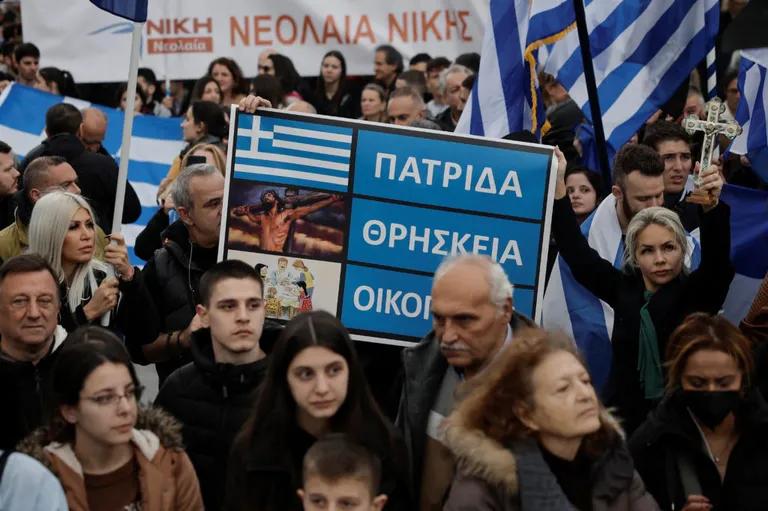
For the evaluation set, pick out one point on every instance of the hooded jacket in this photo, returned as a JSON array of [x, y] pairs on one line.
[[212, 401], [167, 480], [670, 432], [26, 393], [494, 477], [96, 177]]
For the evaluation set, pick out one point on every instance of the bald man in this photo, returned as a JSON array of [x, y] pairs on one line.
[[93, 129]]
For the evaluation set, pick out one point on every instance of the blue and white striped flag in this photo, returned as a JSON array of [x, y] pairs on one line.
[[293, 152], [134, 10], [752, 112], [154, 145], [505, 97], [570, 307], [642, 52]]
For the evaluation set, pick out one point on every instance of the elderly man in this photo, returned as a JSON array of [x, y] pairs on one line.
[[30, 338], [450, 87], [93, 130], [473, 320], [405, 106]]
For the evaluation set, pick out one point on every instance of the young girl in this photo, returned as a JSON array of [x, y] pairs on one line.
[[107, 453], [315, 385]]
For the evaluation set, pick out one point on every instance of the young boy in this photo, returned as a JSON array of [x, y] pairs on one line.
[[341, 475]]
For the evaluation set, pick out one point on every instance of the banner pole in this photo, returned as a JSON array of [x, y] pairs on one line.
[[594, 99], [125, 147]]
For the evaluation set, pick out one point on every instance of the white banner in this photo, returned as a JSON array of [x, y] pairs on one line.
[[181, 37]]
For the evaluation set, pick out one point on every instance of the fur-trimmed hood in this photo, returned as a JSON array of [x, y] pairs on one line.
[[480, 456], [154, 428]]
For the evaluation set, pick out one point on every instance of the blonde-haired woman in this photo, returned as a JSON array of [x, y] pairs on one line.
[[653, 292], [109, 292]]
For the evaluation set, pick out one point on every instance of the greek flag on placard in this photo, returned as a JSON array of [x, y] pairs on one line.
[[154, 145], [293, 152], [570, 307], [752, 112], [642, 52], [505, 97]]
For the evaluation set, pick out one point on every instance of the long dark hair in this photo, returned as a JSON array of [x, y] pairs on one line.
[[340, 90], [274, 411], [199, 88], [239, 83], [212, 115], [285, 71], [85, 349]]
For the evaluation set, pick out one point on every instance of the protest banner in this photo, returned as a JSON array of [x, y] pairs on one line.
[[353, 217], [180, 38]]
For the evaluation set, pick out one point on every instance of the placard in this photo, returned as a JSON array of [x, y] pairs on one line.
[[354, 217]]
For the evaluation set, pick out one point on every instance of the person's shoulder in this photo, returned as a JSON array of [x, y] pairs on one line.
[[179, 382]]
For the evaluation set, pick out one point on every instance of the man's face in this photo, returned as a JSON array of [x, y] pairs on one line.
[[381, 70], [677, 164], [92, 131], [453, 91], [29, 309], [470, 327], [28, 67], [694, 105], [344, 494], [403, 110], [463, 97], [235, 315], [61, 176], [639, 192], [204, 218], [433, 81], [9, 176]]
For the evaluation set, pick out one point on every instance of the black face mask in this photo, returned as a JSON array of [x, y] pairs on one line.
[[711, 408]]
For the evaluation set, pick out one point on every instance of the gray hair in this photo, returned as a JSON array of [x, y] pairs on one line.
[[455, 68], [47, 229], [655, 215], [180, 189], [500, 288]]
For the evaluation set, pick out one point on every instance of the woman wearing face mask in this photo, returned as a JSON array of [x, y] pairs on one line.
[[530, 434], [315, 385], [652, 293], [704, 447], [107, 452]]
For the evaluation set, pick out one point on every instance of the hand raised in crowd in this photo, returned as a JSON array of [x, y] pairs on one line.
[[250, 103], [712, 182], [104, 299], [560, 190], [116, 254], [697, 503]]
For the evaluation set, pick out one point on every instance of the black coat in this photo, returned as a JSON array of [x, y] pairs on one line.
[[96, 177], [670, 431], [265, 471], [703, 290], [173, 277], [150, 239], [212, 401], [25, 396]]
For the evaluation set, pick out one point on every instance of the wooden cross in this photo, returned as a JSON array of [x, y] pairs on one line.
[[712, 127]]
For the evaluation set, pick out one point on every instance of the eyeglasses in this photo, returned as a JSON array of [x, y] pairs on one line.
[[104, 400]]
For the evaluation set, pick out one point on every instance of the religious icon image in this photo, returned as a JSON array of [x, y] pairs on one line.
[[286, 220]]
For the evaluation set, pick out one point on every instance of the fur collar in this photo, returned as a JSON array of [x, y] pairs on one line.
[[480, 456]]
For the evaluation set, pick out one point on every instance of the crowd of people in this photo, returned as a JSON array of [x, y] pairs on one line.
[[265, 404]]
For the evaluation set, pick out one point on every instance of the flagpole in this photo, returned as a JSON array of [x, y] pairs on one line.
[[125, 147], [594, 100]]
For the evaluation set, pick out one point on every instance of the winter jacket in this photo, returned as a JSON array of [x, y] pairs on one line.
[[425, 367], [670, 434], [703, 290], [134, 318], [167, 479], [172, 277], [150, 239], [494, 477], [212, 401], [96, 177], [26, 393], [28, 485]]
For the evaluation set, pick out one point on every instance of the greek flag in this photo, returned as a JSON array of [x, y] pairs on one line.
[[283, 150], [134, 10], [505, 97], [570, 307], [154, 145], [752, 112], [642, 51]]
